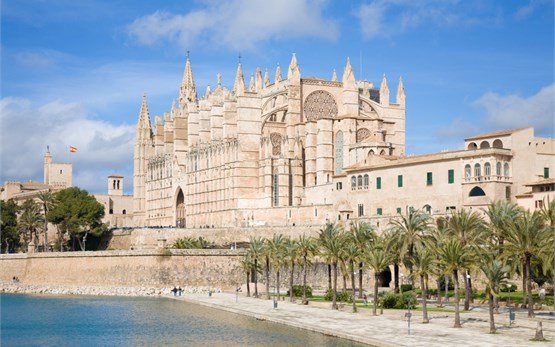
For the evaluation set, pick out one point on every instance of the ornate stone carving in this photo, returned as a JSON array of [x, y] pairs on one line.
[[362, 134], [275, 138], [319, 104]]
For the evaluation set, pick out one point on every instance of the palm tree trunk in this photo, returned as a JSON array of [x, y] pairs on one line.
[[344, 281], [277, 284], [396, 276], [457, 309], [375, 306], [267, 274], [360, 273], [496, 301], [329, 276], [466, 291], [438, 284], [248, 285], [524, 297], [353, 284], [255, 278], [424, 303], [491, 318], [334, 301], [446, 288], [305, 261], [529, 288], [291, 296], [45, 231]]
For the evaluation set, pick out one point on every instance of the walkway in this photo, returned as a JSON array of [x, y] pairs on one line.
[[387, 330]]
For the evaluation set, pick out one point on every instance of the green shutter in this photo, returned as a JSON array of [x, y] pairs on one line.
[[400, 181], [451, 176], [429, 179], [545, 172], [398, 210], [379, 211], [378, 183]]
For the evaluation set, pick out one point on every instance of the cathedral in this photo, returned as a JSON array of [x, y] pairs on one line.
[[305, 151]]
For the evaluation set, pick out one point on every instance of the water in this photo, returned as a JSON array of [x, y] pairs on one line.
[[35, 320]]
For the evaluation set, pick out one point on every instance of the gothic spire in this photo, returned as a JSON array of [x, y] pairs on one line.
[[258, 80], [401, 92], [266, 78], [348, 75], [188, 91], [294, 71], [239, 85], [334, 76], [144, 116], [384, 92], [252, 84], [208, 91], [278, 74]]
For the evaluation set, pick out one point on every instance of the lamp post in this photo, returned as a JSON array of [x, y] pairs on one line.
[[469, 289], [408, 314]]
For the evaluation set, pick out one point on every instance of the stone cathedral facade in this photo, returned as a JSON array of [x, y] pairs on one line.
[[263, 153], [298, 151]]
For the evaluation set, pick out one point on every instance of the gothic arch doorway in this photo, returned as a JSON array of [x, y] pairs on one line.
[[384, 278], [180, 209]]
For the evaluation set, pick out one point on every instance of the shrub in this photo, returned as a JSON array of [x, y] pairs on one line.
[[406, 287], [508, 288], [343, 296], [191, 243], [298, 291], [397, 300], [432, 291], [442, 285]]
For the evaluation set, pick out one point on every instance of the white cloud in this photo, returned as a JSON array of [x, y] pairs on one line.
[[26, 130], [386, 18], [527, 10], [239, 24], [507, 112]]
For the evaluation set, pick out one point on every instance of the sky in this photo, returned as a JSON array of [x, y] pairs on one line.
[[73, 72]]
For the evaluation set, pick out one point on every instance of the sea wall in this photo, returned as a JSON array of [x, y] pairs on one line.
[[147, 238], [159, 268]]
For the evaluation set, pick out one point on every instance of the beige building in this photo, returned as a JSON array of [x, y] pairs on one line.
[[118, 208], [303, 151]]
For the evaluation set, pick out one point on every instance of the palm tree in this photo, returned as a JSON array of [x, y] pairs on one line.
[[409, 230], [525, 237], [307, 248], [247, 265], [424, 263], [455, 256], [495, 273], [266, 252], [362, 233], [46, 199], [378, 259], [331, 242], [393, 246], [292, 253], [352, 254], [276, 246], [469, 228], [256, 251], [29, 221]]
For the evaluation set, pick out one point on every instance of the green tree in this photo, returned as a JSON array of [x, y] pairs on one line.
[[247, 265], [308, 248], [277, 249], [362, 233], [8, 226], [495, 274], [29, 222], [46, 200], [352, 254], [525, 237], [470, 229], [408, 231], [256, 252], [424, 265], [292, 254], [78, 214], [331, 244], [378, 259]]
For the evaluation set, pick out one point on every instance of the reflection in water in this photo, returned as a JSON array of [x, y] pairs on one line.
[[119, 321]]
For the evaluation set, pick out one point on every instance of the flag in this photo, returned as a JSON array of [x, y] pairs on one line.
[[72, 149]]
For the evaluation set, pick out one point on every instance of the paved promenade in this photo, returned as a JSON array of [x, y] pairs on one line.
[[387, 330]]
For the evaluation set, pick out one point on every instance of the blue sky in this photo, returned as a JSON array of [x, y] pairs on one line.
[[73, 72]]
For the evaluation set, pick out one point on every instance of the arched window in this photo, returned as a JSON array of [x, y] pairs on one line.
[[472, 146], [124, 212], [497, 144], [477, 170], [477, 191], [111, 211], [275, 188], [428, 209], [467, 171], [487, 169], [506, 170], [484, 145], [371, 152], [353, 182], [498, 168], [339, 152], [359, 181], [366, 181], [382, 152], [114, 184]]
